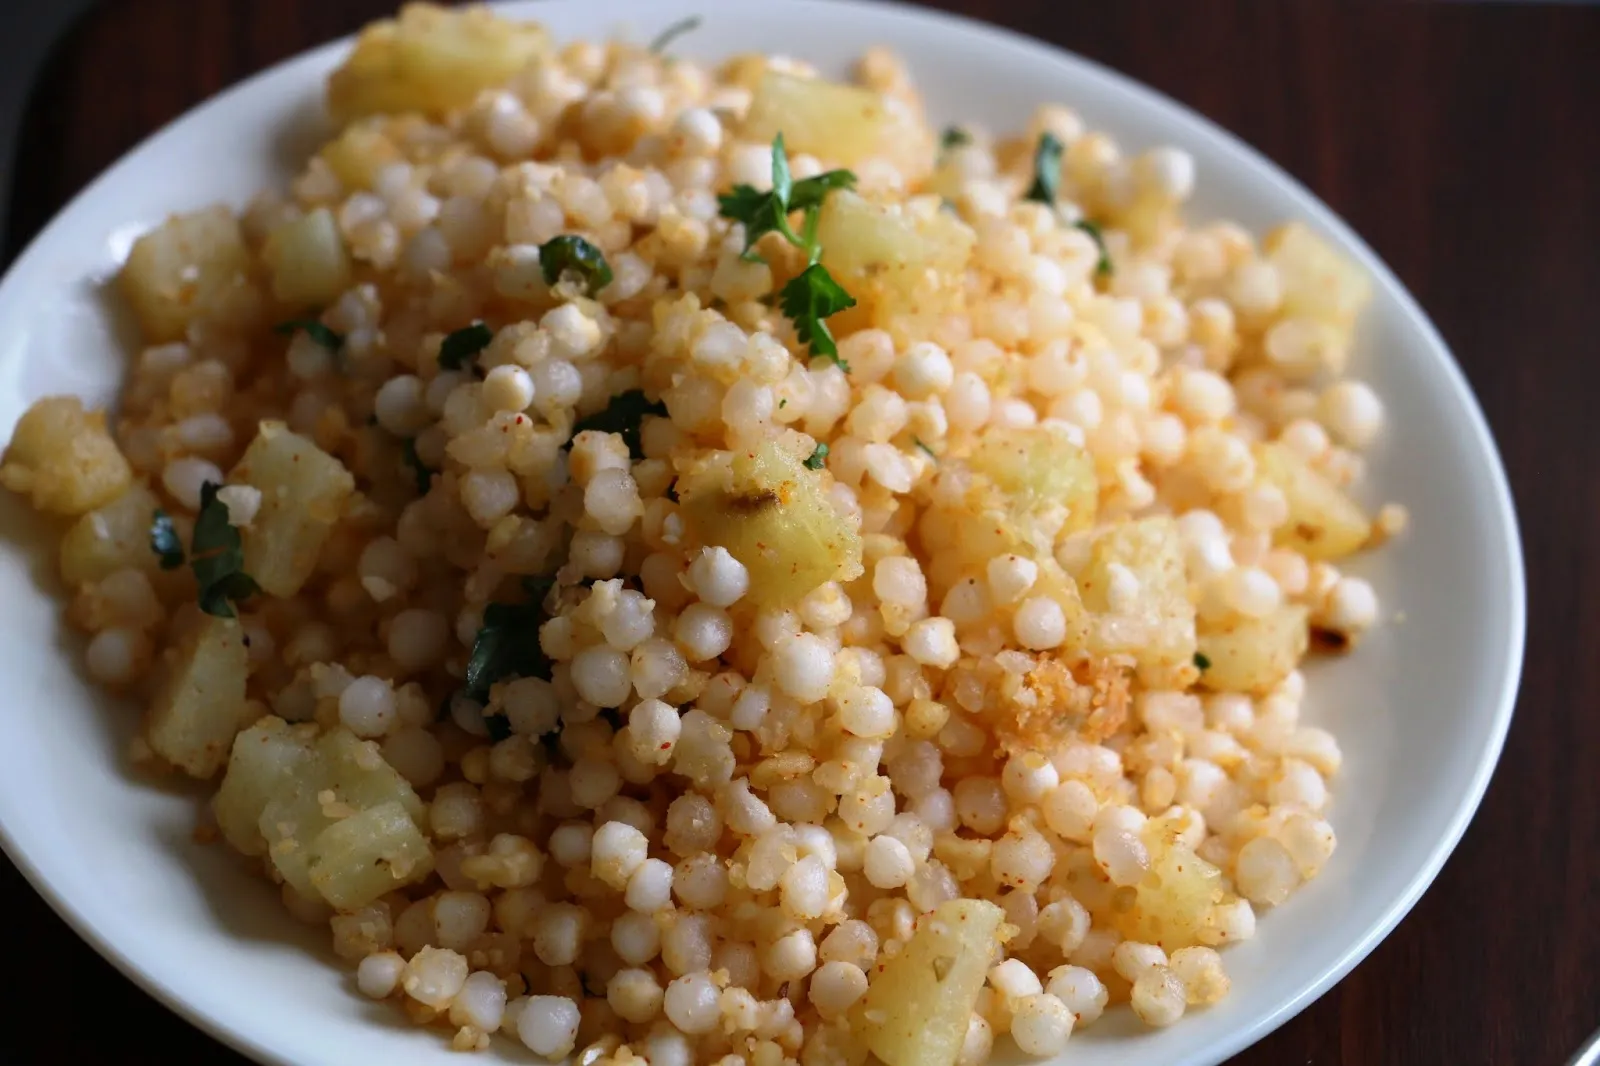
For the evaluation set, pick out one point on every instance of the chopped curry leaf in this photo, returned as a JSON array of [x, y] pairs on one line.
[[507, 646], [623, 415], [313, 329], [817, 458], [460, 349], [1102, 266], [164, 541], [1201, 661], [688, 25], [424, 476], [808, 298], [1046, 170], [216, 554], [571, 254]]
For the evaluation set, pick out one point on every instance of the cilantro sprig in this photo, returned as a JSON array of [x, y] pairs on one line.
[[818, 458], [1102, 266], [687, 25], [953, 137], [216, 555], [812, 295]]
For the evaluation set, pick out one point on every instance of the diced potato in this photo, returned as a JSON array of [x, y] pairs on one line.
[[303, 492], [360, 858], [201, 704], [63, 458], [361, 777], [773, 515], [181, 269], [112, 537], [842, 124], [1318, 282], [358, 153], [1254, 654], [919, 1002], [1324, 522], [431, 60], [1173, 902], [1040, 471], [265, 760], [1156, 626], [309, 264], [341, 777], [890, 260]]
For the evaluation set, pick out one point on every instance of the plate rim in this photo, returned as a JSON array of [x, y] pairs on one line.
[[1170, 109]]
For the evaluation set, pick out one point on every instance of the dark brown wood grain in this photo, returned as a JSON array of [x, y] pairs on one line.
[[1460, 139]]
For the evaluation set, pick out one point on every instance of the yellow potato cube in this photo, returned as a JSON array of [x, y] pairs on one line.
[[1324, 522], [112, 537], [1173, 902], [303, 493], [63, 458], [307, 257], [917, 1007], [1153, 620], [842, 124], [182, 269], [431, 60], [1253, 654], [367, 855], [265, 759], [1318, 282], [201, 706]]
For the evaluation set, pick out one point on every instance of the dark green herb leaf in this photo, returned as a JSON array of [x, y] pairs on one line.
[[424, 476], [507, 646], [1046, 170], [1201, 661], [953, 137], [818, 458], [782, 404], [313, 329], [498, 725], [673, 32], [810, 192], [458, 350], [571, 254], [164, 541], [782, 184], [623, 415], [216, 554], [923, 447], [808, 298], [1102, 267]]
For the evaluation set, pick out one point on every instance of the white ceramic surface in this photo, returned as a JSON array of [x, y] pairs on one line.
[[1421, 711]]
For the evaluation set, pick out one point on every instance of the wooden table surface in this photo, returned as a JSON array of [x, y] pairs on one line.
[[1460, 139]]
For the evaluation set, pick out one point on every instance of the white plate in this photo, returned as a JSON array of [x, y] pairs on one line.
[[1421, 710]]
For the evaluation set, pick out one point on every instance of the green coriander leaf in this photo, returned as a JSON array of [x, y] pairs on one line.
[[924, 448], [623, 415], [1046, 170], [809, 193], [424, 476], [782, 404], [460, 349], [1102, 266], [1201, 661], [782, 184], [507, 646], [759, 212], [808, 298], [817, 458], [164, 541], [571, 254], [313, 329], [953, 137], [216, 555], [673, 32]]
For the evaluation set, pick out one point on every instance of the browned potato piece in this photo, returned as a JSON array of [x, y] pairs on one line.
[[1324, 523], [201, 705], [180, 269], [1254, 654], [63, 458], [303, 492], [774, 517]]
